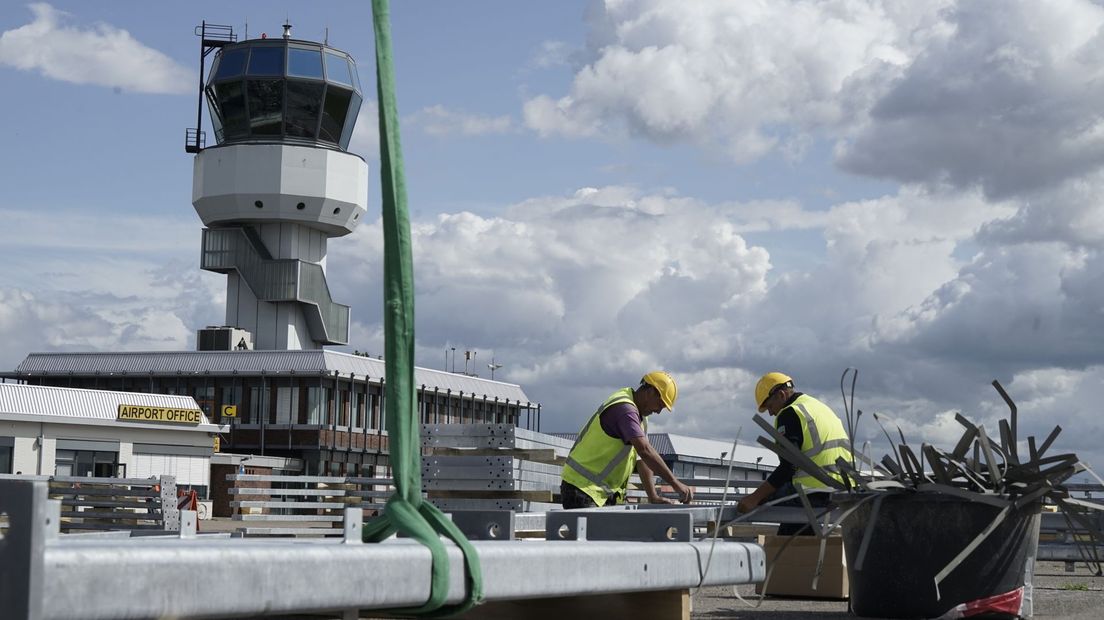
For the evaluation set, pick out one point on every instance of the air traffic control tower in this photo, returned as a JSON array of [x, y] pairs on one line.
[[279, 183]]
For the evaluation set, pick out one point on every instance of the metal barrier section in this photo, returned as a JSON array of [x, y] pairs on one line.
[[639, 525], [100, 577], [491, 436], [274, 505], [1064, 540], [492, 467], [112, 504]]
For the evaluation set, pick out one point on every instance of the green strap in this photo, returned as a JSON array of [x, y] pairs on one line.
[[406, 512]]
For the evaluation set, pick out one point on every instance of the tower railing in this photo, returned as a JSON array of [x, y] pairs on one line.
[[275, 280]]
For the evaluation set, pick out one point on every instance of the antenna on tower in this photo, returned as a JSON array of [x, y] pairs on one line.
[[326, 39], [247, 29], [287, 28]]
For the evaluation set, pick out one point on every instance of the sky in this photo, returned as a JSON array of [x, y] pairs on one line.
[[600, 189]]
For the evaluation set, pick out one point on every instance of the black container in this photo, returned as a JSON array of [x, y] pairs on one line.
[[916, 535]]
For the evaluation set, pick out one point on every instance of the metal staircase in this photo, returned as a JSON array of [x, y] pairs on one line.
[[274, 280]]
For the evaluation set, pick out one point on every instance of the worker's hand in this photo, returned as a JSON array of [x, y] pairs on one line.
[[659, 499], [745, 505], [685, 493]]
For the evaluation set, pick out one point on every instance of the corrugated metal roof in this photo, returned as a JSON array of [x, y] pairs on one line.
[[78, 404], [712, 449], [661, 444], [312, 362]]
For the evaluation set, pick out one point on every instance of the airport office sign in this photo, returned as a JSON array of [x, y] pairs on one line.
[[143, 413]]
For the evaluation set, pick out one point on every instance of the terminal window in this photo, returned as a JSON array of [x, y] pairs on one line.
[[99, 464]]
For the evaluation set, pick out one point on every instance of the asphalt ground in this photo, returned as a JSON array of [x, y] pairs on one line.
[[1058, 594]]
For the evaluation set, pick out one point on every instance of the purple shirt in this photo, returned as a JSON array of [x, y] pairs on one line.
[[622, 421]]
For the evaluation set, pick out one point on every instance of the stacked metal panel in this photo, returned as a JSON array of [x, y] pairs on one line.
[[486, 436], [491, 467]]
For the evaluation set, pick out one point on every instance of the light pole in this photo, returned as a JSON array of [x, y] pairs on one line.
[[453, 359]]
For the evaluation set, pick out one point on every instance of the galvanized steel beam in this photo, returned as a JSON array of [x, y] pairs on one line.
[[97, 577]]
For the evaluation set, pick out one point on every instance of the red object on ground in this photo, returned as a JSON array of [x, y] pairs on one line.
[[1009, 603]]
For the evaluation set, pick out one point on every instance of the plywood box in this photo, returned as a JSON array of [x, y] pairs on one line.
[[794, 569]]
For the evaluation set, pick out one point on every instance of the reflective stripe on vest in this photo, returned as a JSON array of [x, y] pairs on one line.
[[594, 449], [824, 439]]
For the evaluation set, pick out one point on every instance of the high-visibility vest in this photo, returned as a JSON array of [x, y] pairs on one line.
[[824, 439], [600, 465]]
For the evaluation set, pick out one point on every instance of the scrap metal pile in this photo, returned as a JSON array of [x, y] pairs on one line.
[[980, 468]]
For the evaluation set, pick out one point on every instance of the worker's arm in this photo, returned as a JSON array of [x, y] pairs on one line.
[[649, 484], [791, 430], [650, 458], [749, 503]]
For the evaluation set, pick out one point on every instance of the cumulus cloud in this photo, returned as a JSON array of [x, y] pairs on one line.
[[1000, 95], [73, 283], [1010, 100], [739, 77], [439, 121], [563, 280], [1069, 213], [583, 290], [99, 54]]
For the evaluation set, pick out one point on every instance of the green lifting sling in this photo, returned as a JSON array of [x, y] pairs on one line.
[[406, 511]]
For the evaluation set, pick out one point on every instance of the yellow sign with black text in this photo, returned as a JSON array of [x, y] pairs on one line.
[[142, 413], [229, 411]]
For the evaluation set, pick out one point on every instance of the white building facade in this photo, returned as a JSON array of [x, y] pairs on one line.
[[59, 431]]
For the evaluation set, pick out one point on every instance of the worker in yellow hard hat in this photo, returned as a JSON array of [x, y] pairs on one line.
[[614, 442], [809, 425]]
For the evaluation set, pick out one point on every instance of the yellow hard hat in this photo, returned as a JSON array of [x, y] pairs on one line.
[[665, 385], [767, 383]]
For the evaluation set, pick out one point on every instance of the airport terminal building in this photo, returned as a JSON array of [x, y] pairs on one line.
[[322, 407]]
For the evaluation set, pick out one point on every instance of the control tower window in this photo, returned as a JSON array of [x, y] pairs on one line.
[[267, 61], [231, 99], [304, 104], [337, 69], [347, 133], [305, 63], [356, 76], [334, 110], [272, 90], [231, 63], [266, 106]]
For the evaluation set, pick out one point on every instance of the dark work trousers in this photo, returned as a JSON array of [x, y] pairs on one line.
[[816, 500], [572, 497]]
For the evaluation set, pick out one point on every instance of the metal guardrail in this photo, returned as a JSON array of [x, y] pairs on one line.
[[49, 576], [112, 504], [1065, 541]]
